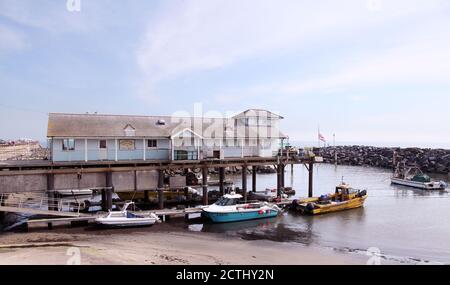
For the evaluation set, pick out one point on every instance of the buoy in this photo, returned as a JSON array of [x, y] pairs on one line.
[[261, 212]]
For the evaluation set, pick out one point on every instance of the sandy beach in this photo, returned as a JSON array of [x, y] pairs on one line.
[[162, 244]]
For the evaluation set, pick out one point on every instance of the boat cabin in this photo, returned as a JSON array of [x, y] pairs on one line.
[[344, 193], [229, 200]]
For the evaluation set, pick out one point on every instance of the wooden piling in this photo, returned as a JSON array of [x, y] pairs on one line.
[[278, 167], [254, 178], [104, 206], [310, 180], [205, 185], [244, 182], [108, 193], [221, 180], [51, 192], [161, 189]]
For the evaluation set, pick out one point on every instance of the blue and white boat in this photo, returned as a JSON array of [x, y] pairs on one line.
[[229, 209]]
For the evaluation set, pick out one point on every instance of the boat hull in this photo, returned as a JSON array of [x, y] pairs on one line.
[[417, 185], [240, 216], [126, 222], [331, 208]]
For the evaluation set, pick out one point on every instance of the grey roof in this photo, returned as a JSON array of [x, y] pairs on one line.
[[96, 125]]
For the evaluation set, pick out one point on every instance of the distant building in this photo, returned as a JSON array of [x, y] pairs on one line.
[[94, 137]]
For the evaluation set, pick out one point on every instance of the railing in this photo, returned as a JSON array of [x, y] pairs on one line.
[[110, 154], [40, 202]]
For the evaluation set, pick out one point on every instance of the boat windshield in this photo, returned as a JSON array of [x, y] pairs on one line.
[[226, 202]]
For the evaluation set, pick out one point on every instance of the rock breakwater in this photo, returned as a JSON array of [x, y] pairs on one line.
[[429, 160]]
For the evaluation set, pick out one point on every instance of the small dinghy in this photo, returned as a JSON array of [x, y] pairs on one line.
[[230, 209], [344, 198], [125, 218], [415, 178]]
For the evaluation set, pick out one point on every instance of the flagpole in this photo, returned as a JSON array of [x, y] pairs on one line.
[[335, 152], [318, 135]]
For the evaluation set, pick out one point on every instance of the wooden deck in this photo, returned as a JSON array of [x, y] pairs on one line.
[[26, 210], [47, 166]]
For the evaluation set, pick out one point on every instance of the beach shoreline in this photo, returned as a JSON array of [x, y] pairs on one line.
[[160, 245]]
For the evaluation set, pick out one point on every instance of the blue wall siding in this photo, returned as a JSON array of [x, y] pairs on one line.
[[162, 152], [65, 155], [158, 154]]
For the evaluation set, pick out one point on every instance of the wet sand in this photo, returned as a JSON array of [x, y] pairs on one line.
[[162, 244]]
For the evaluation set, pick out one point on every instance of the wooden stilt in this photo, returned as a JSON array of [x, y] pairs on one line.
[[244, 182], [254, 178], [221, 180], [109, 191], [161, 189], [51, 192]]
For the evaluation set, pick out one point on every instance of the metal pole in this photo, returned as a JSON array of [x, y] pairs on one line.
[[278, 180], [205, 185], [335, 151]]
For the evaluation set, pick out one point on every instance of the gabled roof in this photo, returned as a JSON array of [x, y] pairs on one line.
[[96, 125], [257, 113]]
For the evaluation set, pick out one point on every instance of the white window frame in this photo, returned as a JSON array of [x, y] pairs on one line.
[[152, 147], [68, 148]]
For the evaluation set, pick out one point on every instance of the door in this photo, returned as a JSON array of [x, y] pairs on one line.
[[216, 154], [103, 150]]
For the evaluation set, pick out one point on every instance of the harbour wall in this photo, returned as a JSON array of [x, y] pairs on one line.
[[429, 160]]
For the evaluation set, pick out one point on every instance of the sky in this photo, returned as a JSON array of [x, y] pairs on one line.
[[365, 70]]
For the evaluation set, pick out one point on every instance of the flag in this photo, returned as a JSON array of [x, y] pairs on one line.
[[322, 138]]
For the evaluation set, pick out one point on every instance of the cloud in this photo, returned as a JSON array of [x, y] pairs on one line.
[[419, 56], [10, 40], [194, 36], [54, 17]]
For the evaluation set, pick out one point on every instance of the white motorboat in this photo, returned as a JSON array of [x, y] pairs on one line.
[[229, 209], [414, 177], [125, 218]]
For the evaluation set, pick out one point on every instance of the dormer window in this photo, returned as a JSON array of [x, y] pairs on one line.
[[129, 131]]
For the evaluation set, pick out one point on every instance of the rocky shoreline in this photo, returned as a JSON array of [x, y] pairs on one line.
[[429, 160]]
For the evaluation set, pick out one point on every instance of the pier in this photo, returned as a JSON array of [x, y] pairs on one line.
[[44, 178]]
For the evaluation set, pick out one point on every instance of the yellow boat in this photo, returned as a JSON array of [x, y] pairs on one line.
[[345, 198]]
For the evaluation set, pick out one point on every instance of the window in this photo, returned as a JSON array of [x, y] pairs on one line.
[[185, 155], [127, 145], [68, 144], [152, 143], [102, 144]]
